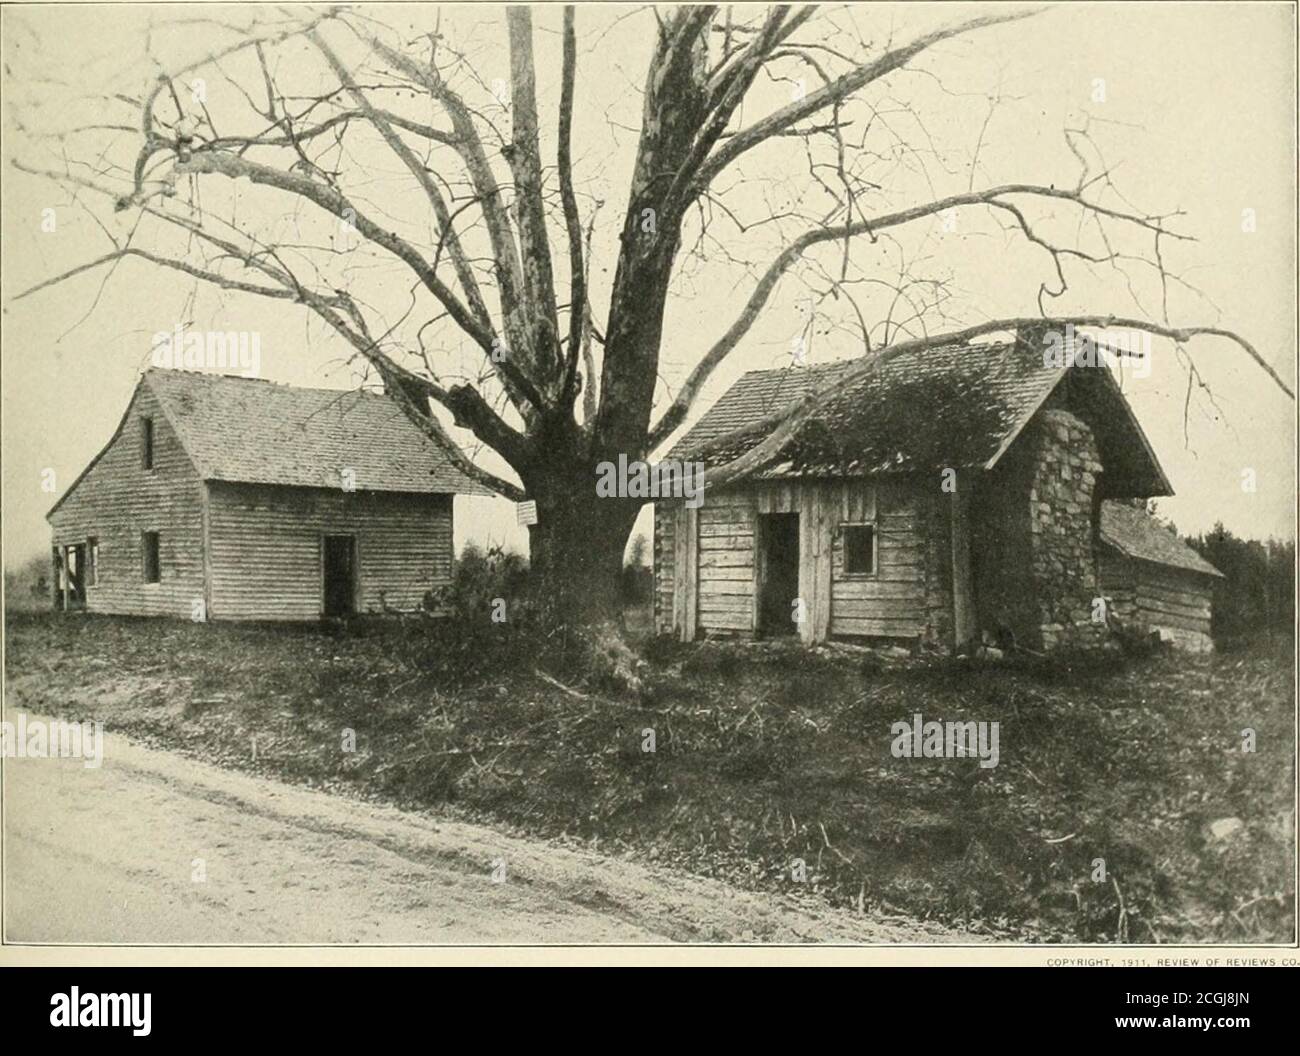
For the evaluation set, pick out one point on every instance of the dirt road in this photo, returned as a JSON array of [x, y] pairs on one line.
[[156, 848]]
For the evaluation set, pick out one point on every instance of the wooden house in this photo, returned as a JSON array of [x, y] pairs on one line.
[[228, 498], [946, 497], [1153, 579]]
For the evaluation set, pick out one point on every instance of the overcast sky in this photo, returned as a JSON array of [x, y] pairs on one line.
[[1191, 106]]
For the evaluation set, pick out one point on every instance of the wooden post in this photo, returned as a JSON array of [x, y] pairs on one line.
[[815, 545], [686, 579], [963, 593], [690, 611], [205, 506], [67, 577]]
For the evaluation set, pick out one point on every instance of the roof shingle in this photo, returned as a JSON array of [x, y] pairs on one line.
[[948, 406], [253, 431], [1135, 533]]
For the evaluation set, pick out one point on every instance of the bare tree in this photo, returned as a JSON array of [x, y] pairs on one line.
[[563, 384]]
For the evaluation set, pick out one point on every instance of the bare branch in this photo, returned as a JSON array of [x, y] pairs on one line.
[[690, 390], [524, 156], [572, 221], [840, 89], [785, 422]]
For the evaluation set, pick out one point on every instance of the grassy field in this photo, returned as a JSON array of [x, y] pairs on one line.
[[763, 755]]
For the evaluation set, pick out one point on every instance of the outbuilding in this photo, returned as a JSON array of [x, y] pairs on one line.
[[961, 494], [222, 497]]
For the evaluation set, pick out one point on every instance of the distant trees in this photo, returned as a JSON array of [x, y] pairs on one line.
[[1257, 593], [27, 586]]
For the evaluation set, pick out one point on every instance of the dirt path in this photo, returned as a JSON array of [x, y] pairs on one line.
[[109, 855]]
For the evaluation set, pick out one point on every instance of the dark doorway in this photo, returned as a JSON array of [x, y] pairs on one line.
[[778, 557], [340, 575], [70, 577]]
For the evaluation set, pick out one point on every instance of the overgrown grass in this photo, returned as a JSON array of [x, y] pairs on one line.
[[763, 755]]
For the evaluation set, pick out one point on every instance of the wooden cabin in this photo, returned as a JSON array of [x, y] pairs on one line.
[[1154, 580], [947, 497], [229, 498]]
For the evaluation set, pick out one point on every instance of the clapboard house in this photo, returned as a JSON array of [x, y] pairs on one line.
[[228, 498], [968, 493]]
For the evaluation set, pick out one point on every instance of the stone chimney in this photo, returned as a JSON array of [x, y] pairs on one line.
[[1035, 526], [1062, 566]]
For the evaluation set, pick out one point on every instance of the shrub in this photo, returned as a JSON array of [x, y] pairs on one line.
[[486, 586]]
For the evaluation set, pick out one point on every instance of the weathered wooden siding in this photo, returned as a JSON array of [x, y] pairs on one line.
[[117, 499], [686, 557], [1117, 579], [665, 522], [266, 548], [725, 564], [718, 575], [891, 603], [1176, 602]]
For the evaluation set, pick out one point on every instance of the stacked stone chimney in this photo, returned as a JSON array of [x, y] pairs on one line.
[[1062, 527], [1034, 537]]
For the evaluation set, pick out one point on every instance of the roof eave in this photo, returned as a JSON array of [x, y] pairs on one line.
[[1209, 570], [1025, 419]]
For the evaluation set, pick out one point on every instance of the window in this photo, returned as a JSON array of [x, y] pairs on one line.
[[859, 549], [92, 562], [152, 572], [146, 443]]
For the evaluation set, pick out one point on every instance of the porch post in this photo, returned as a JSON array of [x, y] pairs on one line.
[[963, 594]]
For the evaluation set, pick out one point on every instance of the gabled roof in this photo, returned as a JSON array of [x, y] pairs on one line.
[[257, 432], [957, 406], [1135, 533]]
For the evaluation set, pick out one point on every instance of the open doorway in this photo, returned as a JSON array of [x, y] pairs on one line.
[[340, 561], [70, 576], [778, 584]]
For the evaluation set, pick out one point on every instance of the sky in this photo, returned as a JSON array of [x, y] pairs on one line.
[[1190, 108]]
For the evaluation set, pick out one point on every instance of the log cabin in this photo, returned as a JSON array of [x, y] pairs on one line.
[[222, 497], [1152, 579], [963, 495]]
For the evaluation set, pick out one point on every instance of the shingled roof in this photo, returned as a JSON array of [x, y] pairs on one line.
[[257, 432], [956, 406], [1135, 533]]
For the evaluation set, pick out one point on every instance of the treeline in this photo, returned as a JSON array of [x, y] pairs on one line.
[[1257, 593]]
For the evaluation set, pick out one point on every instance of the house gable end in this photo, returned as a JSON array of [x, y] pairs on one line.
[[118, 434], [1131, 467]]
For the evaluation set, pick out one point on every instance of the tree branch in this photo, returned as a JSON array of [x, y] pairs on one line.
[[681, 404], [524, 156], [333, 201], [840, 89], [572, 221], [786, 421]]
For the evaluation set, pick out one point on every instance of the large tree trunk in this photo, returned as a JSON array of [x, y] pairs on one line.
[[577, 548]]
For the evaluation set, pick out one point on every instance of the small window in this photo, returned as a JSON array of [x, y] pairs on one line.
[[150, 547], [92, 562], [146, 443], [859, 549]]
